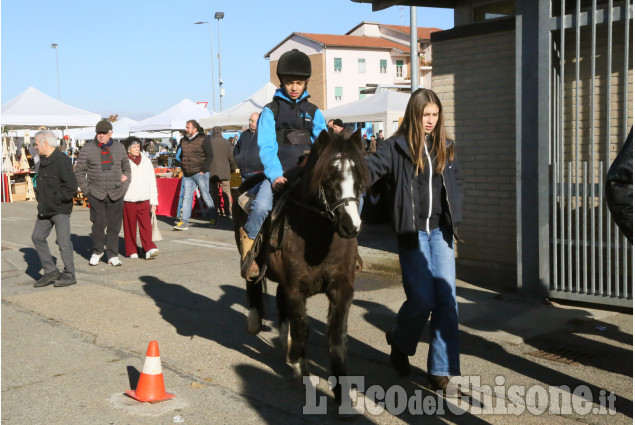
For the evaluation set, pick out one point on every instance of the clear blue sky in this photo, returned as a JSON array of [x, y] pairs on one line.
[[137, 58]]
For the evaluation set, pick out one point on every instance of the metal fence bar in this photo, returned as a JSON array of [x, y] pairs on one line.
[[609, 59], [600, 290], [626, 61], [570, 231], [616, 230], [592, 144], [576, 145], [584, 216], [563, 203], [555, 164], [625, 263]]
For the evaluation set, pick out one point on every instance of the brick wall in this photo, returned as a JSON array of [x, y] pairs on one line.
[[475, 80]]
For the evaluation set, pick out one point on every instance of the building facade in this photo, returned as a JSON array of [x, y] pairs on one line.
[[344, 67]]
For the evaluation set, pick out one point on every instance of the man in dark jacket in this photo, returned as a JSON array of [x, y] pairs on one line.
[[619, 188], [246, 151], [56, 187], [220, 170], [103, 174], [196, 158]]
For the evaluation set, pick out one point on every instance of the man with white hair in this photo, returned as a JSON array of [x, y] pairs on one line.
[[56, 187]]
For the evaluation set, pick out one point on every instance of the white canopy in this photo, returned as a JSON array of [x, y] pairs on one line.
[[238, 114], [120, 130], [386, 106], [32, 109], [174, 118]]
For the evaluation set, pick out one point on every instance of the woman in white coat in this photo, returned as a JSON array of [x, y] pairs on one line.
[[140, 201]]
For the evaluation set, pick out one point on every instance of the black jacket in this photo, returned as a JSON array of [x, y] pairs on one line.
[[247, 153], [392, 159], [619, 188], [56, 185]]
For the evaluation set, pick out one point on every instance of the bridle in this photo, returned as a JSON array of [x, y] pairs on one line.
[[327, 210]]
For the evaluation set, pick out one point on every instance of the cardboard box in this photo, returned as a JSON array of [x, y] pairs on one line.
[[18, 191]]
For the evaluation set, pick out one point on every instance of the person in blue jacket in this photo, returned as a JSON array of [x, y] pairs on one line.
[[426, 187], [287, 128]]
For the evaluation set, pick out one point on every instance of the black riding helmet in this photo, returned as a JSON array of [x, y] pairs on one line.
[[294, 62]]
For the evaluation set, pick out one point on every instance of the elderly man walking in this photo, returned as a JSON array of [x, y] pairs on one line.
[[56, 187], [103, 174]]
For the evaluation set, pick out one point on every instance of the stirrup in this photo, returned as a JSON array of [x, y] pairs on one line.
[[249, 269]]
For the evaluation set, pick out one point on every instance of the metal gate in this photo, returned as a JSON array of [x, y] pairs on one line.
[[591, 87]]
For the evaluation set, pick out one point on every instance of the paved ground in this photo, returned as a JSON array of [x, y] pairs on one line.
[[68, 354]]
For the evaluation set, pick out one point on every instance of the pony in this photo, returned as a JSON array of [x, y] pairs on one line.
[[311, 248]]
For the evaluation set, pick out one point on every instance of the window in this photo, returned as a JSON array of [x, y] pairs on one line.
[[383, 64], [337, 64], [361, 65], [338, 93], [362, 95], [399, 68]]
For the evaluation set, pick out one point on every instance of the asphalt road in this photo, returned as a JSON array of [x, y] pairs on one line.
[[68, 354]]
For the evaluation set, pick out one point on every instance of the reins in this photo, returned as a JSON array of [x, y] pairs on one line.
[[328, 211]]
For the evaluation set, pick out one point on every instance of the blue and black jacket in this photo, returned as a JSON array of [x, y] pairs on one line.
[[279, 120]]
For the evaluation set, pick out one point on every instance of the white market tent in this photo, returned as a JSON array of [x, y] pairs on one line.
[[237, 115], [120, 130], [387, 107], [173, 119], [32, 109]]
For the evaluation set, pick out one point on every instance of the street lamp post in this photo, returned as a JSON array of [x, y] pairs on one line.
[[211, 45], [218, 16], [57, 66]]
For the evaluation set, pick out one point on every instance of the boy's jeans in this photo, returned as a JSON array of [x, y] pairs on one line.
[[262, 205]]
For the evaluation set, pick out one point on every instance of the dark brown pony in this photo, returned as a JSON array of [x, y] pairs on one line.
[[313, 249]]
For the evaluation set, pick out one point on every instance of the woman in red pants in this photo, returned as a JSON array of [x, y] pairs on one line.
[[140, 201]]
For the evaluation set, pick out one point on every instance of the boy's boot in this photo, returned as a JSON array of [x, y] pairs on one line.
[[248, 267]]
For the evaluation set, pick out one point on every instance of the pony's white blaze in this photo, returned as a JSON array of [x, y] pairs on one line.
[[347, 187]]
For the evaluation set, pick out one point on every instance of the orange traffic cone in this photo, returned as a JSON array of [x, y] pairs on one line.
[[150, 386]]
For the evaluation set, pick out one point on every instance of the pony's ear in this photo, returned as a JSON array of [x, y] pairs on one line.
[[357, 137], [323, 139]]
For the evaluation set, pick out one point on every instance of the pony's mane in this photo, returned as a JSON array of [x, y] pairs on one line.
[[321, 159]]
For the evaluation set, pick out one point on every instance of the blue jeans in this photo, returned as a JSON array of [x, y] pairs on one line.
[[428, 275], [262, 205], [189, 185]]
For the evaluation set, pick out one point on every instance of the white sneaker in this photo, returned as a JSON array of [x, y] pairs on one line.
[[134, 256], [94, 259], [152, 253], [114, 261]]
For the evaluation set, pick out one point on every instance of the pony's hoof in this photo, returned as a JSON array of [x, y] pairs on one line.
[[254, 322], [300, 369]]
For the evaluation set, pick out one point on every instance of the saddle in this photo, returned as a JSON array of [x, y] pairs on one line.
[[273, 230]]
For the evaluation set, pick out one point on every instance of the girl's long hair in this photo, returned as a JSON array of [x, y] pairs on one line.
[[412, 129]]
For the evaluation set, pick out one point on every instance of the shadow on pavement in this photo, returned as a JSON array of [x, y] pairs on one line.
[[381, 317], [33, 262]]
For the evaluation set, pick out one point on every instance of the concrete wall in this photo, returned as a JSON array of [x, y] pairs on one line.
[[475, 79]]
